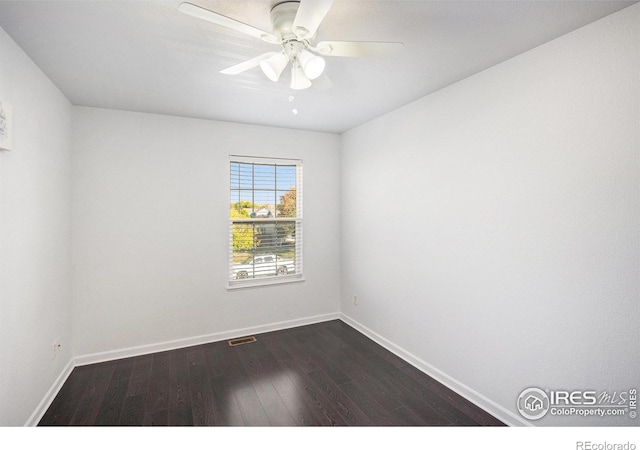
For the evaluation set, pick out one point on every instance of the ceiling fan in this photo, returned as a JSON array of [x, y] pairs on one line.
[[294, 26]]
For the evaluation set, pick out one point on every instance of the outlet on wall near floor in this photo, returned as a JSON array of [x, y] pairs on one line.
[[56, 348], [355, 299]]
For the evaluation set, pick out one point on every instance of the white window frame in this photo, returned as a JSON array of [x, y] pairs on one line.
[[298, 220]]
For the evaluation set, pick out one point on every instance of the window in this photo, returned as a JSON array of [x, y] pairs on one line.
[[265, 221]]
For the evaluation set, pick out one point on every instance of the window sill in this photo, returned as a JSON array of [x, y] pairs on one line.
[[245, 284]]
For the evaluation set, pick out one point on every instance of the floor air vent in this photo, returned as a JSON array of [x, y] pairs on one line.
[[240, 341]]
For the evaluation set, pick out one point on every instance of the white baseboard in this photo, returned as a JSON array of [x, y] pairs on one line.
[[198, 340], [499, 412], [50, 395]]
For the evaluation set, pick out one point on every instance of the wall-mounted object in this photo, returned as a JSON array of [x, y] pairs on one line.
[[6, 122]]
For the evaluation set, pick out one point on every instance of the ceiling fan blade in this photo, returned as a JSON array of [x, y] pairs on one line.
[[310, 15], [246, 65], [359, 49], [219, 19]]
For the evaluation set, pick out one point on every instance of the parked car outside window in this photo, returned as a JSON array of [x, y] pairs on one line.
[[263, 265]]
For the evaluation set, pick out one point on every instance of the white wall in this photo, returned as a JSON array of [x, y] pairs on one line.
[[35, 224], [150, 230], [491, 230]]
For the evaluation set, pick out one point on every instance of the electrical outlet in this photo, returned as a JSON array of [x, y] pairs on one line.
[[355, 299], [56, 348]]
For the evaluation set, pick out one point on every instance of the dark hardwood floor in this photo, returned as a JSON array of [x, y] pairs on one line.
[[315, 375]]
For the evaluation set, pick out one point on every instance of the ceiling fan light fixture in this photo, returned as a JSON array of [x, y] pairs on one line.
[[274, 66], [311, 64], [298, 79]]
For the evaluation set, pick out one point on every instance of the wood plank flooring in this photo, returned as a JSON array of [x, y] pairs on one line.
[[317, 375]]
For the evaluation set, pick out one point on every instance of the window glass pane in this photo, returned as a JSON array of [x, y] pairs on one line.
[[235, 178], [285, 177], [245, 176], [287, 202], [264, 200], [264, 176], [241, 176]]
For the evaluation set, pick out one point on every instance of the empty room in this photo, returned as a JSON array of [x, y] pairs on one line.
[[354, 213]]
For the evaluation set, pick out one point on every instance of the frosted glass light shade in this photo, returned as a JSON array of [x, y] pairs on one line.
[[298, 79], [312, 65], [274, 66]]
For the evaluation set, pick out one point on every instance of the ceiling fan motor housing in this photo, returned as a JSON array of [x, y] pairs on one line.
[[282, 18]]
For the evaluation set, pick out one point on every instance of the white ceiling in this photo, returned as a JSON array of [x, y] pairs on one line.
[[146, 56]]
